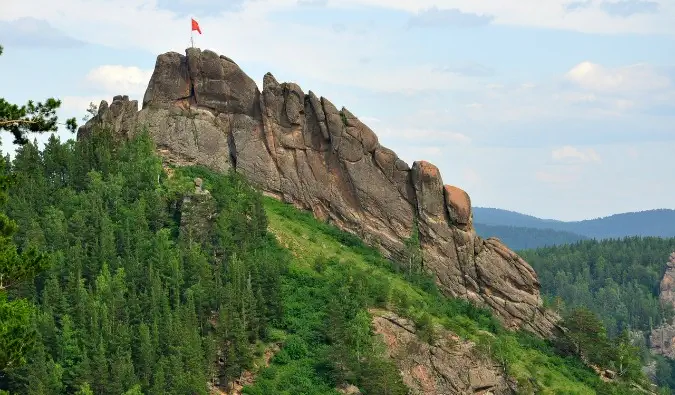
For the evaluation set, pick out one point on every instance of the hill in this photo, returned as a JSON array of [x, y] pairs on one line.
[[202, 109], [618, 279], [658, 223], [158, 285], [521, 238]]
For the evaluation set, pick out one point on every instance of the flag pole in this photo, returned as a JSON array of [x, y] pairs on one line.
[[192, 39]]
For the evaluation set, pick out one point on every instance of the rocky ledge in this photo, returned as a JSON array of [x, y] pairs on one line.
[[447, 365], [201, 108]]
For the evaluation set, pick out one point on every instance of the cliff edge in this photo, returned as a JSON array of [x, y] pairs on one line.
[[201, 108]]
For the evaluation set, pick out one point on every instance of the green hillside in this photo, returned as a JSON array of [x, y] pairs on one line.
[[133, 301], [521, 238]]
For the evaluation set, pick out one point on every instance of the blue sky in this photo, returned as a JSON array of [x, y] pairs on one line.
[[560, 109]]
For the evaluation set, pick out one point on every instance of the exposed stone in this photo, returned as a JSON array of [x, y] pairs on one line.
[[667, 286], [119, 117], [662, 338], [449, 366], [198, 212], [459, 206], [202, 109]]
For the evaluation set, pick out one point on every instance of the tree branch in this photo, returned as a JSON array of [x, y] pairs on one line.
[[17, 121]]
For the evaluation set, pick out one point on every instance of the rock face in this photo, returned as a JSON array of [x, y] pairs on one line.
[[449, 366], [198, 213], [662, 339], [201, 108]]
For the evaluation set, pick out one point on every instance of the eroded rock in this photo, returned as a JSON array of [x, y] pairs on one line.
[[198, 213], [662, 338], [201, 108], [449, 366]]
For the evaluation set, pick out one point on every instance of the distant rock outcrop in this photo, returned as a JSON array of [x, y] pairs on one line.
[[198, 213], [662, 339], [203, 109]]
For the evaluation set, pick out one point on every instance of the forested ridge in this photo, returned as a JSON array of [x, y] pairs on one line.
[[618, 279], [521, 238], [657, 223]]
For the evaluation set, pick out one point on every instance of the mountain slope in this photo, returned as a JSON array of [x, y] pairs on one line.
[[162, 283], [325, 251], [659, 223], [521, 238]]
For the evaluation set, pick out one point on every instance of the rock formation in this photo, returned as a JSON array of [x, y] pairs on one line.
[[662, 339], [449, 366], [203, 109], [198, 213]]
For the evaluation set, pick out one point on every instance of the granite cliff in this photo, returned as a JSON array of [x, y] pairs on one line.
[[201, 108]]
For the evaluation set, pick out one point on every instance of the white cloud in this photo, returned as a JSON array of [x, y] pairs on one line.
[[119, 79], [634, 78], [569, 153], [538, 13]]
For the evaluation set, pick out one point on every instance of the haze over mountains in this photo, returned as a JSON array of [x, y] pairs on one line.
[[521, 231]]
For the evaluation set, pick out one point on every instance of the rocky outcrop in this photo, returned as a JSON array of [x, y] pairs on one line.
[[448, 366], [201, 108], [662, 339], [198, 213]]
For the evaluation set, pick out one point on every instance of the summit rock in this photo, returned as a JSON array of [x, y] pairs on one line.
[[202, 109]]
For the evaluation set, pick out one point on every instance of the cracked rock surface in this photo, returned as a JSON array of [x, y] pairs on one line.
[[201, 108], [449, 366]]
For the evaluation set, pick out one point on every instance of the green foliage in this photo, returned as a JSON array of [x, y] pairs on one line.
[[128, 307], [616, 279], [16, 335], [586, 337], [412, 254], [336, 270]]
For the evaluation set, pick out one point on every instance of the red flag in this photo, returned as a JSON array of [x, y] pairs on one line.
[[195, 26]]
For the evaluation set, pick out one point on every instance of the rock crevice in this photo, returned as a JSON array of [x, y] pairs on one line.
[[300, 148]]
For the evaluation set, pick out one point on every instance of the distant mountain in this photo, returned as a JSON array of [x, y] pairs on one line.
[[660, 223], [522, 238]]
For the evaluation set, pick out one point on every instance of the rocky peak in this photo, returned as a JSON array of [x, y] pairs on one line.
[[201, 108]]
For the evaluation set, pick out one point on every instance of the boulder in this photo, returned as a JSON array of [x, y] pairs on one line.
[[449, 365]]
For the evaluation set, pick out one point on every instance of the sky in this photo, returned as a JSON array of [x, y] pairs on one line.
[[555, 108]]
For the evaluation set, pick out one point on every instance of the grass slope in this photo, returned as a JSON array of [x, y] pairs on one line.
[[324, 257]]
